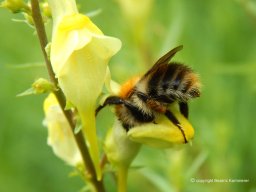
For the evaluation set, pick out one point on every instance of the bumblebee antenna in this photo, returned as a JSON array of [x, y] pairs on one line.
[[98, 110]]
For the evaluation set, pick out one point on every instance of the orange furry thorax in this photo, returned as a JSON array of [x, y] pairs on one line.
[[127, 87]]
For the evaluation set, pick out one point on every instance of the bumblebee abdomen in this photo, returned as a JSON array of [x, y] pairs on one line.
[[171, 82]]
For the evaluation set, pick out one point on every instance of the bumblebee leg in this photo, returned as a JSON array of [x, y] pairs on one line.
[[175, 121], [184, 109], [112, 100], [138, 116]]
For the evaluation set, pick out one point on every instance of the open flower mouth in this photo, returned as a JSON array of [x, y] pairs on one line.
[[163, 133]]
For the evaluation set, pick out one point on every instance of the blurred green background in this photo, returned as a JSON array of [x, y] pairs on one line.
[[219, 39]]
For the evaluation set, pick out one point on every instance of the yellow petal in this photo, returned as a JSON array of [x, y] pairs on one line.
[[60, 136], [71, 36], [77, 22], [60, 9], [164, 133], [112, 86]]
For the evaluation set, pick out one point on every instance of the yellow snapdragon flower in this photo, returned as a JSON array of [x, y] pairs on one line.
[[79, 55]]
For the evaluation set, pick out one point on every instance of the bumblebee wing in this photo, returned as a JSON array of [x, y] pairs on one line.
[[167, 82], [163, 60]]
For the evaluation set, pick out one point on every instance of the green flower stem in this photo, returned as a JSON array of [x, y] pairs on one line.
[[122, 178], [79, 138], [36, 14]]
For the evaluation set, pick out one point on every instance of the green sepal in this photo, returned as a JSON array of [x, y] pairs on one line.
[[15, 6], [69, 105], [79, 126], [40, 86], [27, 92], [94, 13]]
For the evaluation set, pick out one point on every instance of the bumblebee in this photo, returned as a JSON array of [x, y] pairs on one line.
[[140, 100]]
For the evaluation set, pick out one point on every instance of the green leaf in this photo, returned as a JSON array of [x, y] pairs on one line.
[[197, 164], [161, 182], [26, 65]]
